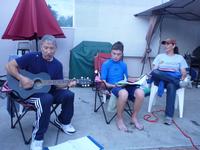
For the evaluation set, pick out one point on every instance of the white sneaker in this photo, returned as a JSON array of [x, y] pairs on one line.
[[36, 145], [186, 82], [68, 129], [168, 120]]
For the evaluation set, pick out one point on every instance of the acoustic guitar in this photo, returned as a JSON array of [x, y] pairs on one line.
[[42, 83]]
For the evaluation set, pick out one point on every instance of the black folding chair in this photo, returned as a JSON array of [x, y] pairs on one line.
[[193, 60], [19, 107], [2, 82], [102, 96], [102, 92]]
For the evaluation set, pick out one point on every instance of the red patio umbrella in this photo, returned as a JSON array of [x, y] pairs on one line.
[[31, 20]]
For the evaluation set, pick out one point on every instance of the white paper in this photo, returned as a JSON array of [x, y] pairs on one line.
[[83, 143]]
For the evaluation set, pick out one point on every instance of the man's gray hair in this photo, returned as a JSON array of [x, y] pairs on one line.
[[49, 38]]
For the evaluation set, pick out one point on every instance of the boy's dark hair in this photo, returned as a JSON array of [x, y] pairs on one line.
[[118, 46]]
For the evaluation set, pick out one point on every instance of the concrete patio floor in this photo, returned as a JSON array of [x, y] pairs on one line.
[[155, 136]]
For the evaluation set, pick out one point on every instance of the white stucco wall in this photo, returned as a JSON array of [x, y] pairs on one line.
[[103, 20], [6, 46], [187, 33], [110, 21], [9, 47]]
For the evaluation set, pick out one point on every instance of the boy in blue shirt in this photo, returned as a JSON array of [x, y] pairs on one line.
[[113, 71]]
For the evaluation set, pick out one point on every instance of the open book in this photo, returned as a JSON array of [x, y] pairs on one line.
[[140, 81], [83, 143]]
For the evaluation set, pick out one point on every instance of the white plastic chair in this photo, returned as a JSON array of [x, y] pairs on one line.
[[179, 94]]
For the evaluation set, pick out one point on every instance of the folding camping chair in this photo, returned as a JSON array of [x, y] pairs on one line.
[[102, 92], [2, 82], [19, 107], [195, 65], [23, 48]]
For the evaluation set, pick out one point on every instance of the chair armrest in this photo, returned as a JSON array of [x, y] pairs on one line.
[[100, 85]]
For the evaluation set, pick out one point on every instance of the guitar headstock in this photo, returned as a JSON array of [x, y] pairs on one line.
[[84, 82]]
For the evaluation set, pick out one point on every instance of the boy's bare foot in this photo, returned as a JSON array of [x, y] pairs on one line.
[[137, 124], [121, 126]]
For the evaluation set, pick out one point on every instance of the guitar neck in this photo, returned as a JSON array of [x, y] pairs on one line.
[[55, 82]]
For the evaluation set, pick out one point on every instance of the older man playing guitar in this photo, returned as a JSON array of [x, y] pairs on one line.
[[35, 63]]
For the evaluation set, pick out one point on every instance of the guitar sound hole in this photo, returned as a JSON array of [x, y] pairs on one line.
[[37, 84]]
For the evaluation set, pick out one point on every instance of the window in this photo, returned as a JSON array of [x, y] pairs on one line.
[[63, 11]]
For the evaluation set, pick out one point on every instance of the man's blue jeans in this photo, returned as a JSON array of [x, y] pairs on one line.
[[171, 83]]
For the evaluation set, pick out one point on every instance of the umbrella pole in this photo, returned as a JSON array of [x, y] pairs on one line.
[[36, 40]]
